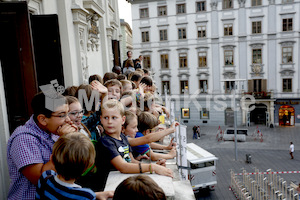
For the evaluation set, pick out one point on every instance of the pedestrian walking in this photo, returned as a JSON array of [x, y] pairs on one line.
[[292, 148], [194, 132], [198, 132]]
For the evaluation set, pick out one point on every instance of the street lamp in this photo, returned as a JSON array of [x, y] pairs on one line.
[[234, 112]]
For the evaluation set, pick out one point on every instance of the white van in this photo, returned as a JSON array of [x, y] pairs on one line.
[[201, 167]]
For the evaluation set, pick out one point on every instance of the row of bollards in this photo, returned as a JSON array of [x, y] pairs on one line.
[[261, 186]]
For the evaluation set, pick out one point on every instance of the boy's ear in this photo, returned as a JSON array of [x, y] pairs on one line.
[[123, 119], [147, 132], [42, 119]]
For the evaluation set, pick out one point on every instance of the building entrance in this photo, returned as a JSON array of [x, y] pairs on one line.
[[286, 116], [258, 115]]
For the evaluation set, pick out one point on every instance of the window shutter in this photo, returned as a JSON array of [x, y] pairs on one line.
[[264, 85], [250, 85]]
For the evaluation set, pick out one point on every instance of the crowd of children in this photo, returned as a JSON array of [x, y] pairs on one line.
[[92, 129]]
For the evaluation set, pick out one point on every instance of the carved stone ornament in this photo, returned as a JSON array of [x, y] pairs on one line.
[[214, 5], [84, 64], [257, 69], [242, 3], [93, 31]]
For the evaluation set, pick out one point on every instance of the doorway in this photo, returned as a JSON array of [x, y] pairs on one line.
[[229, 117], [30, 56], [258, 115], [286, 116], [17, 63]]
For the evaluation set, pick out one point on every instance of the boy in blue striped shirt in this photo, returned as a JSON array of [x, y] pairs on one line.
[[72, 154]]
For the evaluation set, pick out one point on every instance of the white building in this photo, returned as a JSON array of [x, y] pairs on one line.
[[126, 44], [200, 46], [44, 40]]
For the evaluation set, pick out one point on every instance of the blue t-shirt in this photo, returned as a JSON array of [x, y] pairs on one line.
[[141, 149], [50, 187]]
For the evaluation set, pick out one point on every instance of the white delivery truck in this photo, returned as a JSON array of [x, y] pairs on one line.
[[201, 167]]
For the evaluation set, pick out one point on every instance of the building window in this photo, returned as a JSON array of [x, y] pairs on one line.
[[165, 84], [203, 86], [227, 4], [256, 56], [256, 2], [162, 10], [200, 6], [202, 59], [204, 113], [182, 60], [181, 33], [163, 35], [287, 1], [201, 31], [180, 8], [257, 85], [256, 27], [229, 86], [145, 36], [228, 57], [287, 55], [227, 29], [287, 24], [185, 113], [164, 61], [144, 13], [287, 85], [147, 62], [184, 86]]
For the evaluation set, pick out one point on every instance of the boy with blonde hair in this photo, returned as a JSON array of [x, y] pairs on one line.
[[114, 151], [127, 85], [72, 154]]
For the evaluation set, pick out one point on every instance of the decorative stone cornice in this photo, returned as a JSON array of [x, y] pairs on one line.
[[271, 2], [228, 47], [257, 45], [287, 72], [287, 43], [229, 74]]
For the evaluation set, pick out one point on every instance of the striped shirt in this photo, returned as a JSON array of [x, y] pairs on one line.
[[27, 145], [50, 187]]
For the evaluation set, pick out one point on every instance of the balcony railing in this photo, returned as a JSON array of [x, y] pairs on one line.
[[260, 95]]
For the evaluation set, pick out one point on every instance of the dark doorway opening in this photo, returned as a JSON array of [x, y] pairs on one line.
[[258, 115]]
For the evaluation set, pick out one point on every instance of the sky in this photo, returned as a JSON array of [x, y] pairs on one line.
[[125, 11]]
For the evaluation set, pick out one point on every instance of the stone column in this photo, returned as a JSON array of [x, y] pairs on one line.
[[214, 20], [271, 47], [109, 32], [80, 16], [242, 66], [271, 113], [216, 87]]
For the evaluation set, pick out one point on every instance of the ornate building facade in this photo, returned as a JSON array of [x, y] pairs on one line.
[[202, 51]]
